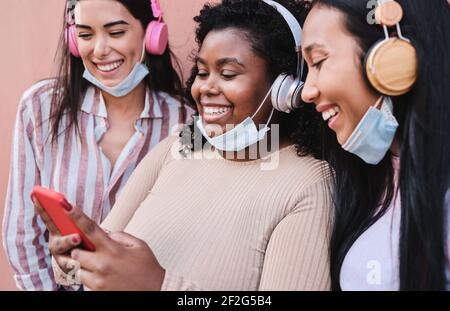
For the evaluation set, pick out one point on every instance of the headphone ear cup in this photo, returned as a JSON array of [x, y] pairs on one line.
[[391, 66], [286, 93], [156, 38], [71, 40], [277, 93], [296, 94]]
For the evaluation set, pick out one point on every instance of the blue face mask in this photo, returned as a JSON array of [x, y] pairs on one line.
[[373, 135], [139, 72], [241, 136]]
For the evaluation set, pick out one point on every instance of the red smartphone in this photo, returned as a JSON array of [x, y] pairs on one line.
[[55, 204]]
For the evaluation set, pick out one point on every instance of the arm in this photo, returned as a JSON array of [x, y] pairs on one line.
[[23, 231], [297, 253], [134, 192]]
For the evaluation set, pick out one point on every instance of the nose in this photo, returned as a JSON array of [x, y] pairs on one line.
[[209, 86], [101, 48], [310, 92]]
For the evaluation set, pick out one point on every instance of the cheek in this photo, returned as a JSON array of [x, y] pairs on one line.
[[243, 94], [85, 48], [131, 51], [195, 90], [344, 85]]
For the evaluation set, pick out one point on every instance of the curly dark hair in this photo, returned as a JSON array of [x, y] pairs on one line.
[[272, 40]]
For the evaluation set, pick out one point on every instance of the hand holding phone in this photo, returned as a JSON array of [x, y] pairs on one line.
[[56, 205]]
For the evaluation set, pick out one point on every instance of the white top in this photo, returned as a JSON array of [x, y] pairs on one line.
[[372, 261]]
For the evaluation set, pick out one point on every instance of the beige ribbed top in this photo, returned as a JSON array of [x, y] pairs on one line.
[[216, 224]]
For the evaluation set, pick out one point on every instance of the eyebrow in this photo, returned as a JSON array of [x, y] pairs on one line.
[[223, 61], [313, 46], [121, 22]]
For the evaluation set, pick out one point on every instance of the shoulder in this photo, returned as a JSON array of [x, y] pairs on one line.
[[40, 90], [164, 152], [168, 147], [38, 96], [306, 170]]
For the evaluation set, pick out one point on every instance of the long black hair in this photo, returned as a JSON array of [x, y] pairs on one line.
[[70, 85], [272, 40], [363, 192]]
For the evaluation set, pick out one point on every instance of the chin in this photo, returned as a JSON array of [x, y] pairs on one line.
[[341, 138], [109, 83]]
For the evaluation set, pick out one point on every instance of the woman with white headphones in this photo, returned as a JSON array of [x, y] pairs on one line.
[[215, 209]]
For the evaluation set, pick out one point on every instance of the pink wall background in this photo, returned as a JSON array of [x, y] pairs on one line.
[[29, 31]]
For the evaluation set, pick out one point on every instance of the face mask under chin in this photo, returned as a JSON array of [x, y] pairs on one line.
[[374, 134], [241, 136]]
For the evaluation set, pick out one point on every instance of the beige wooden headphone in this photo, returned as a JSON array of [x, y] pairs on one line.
[[391, 63]]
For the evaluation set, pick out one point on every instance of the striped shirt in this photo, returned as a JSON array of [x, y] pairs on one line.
[[75, 166]]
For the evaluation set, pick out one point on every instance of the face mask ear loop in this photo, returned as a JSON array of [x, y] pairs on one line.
[[270, 117], [378, 103], [264, 100], [143, 53]]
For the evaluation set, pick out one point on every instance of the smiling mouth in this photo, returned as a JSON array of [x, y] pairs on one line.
[[216, 114], [215, 111], [110, 67], [330, 116]]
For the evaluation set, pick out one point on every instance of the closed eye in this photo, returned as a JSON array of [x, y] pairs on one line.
[[228, 74], [84, 36], [318, 64], [117, 33], [202, 74]]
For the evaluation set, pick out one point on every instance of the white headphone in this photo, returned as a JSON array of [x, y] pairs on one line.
[[287, 89]]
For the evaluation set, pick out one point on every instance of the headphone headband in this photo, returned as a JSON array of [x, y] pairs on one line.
[[294, 25], [296, 31], [156, 9], [286, 89], [70, 7]]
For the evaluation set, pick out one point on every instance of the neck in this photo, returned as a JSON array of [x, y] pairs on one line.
[[395, 148], [130, 103]]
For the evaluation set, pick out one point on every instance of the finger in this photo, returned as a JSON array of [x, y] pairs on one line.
[[88, 260], [66, 263], [125, 239], [63, 244], [45, 218], [89, 227], [90, 280]]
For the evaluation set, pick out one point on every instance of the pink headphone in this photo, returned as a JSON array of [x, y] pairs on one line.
[[156, 34]]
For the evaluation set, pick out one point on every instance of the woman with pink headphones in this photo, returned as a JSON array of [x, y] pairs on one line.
[[84, 132]]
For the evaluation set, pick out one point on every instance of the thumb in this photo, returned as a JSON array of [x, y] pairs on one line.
[[125, 239]]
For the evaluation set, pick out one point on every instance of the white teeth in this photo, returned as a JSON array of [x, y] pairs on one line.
[[215, 111], [110, 67], [330, 112]]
